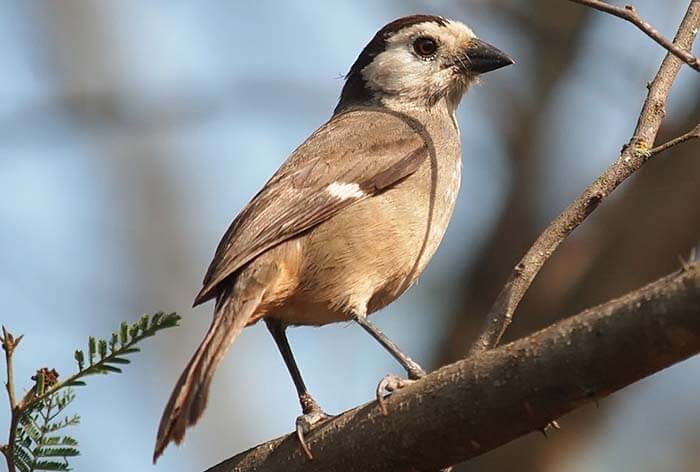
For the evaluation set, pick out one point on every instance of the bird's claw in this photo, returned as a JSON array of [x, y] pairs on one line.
[[304, 424], [390, 383]]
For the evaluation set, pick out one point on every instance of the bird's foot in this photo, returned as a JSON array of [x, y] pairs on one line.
[[390, 383], [313, 414]]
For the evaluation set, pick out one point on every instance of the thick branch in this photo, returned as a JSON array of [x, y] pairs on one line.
[[634, 155], [629, 13], [477, 404]]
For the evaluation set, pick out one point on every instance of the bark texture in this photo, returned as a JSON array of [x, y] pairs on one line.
[[479, 403]]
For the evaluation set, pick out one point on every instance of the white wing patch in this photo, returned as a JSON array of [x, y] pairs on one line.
[[343, 191]]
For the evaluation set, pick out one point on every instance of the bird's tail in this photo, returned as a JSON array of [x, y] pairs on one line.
[[189, 397]]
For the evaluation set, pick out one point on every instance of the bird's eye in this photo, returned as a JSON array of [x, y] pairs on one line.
[[425, 46]]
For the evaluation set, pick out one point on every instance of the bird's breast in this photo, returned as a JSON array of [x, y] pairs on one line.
[[424, 209], [367, 255]]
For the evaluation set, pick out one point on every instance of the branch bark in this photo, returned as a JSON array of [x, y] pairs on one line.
[[634, 155], [479, 403], [692, 134], [629, 13]]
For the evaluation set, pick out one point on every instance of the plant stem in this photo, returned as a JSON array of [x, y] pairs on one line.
[[9, 451], [9, 347], [9, 343]]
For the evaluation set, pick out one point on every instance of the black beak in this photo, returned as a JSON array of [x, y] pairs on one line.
[[482, 57]]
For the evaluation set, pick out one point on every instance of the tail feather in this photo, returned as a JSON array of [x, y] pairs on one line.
[[189, 397]]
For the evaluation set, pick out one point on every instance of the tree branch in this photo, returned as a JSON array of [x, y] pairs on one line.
[[634, 155], [629, 13], [479, 403], [692, 134]]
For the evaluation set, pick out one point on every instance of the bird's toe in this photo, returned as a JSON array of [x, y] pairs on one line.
[[305, 423], [387, 385]]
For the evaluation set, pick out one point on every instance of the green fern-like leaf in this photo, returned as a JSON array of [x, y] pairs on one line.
[[51, 441], [113, 343], [102, 348], [29, 427], [104, 357], [51, 465], [92, 349], [24, 459], [124, 333], [66, 422], [80, 359], [36, 446], [56, 452]]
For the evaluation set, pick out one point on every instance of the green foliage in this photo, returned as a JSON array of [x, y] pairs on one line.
[[39, 441], [39, 420], [104, 356]]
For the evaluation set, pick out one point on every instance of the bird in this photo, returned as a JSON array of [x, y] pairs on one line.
[[352, 217]]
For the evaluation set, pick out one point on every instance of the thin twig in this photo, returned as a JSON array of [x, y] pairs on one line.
[[629, 13], [480, 403], [692, 134], [8, 345], [634, 155]]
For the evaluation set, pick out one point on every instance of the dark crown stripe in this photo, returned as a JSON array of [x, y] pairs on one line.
[[378, 43], [354, 89]]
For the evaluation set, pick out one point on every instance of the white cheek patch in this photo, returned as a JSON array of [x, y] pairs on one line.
[[396, 70], [397, 74], [343, 191]]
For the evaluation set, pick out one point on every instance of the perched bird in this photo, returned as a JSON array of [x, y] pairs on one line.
[[352, 217]]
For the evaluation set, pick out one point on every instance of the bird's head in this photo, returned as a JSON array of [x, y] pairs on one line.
[[419, 61]]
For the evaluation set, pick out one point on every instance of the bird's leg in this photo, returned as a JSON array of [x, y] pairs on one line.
[[414, 371], [390, 382], [312, 413]]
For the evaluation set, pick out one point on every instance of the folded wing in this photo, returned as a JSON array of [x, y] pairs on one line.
[[354, 156]]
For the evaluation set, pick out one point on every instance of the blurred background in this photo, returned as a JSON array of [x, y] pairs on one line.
[[131, 134]]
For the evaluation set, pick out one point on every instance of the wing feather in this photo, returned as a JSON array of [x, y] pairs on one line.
[[368, 149]]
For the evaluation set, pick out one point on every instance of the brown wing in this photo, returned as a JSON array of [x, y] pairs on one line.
[[354, 156]]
